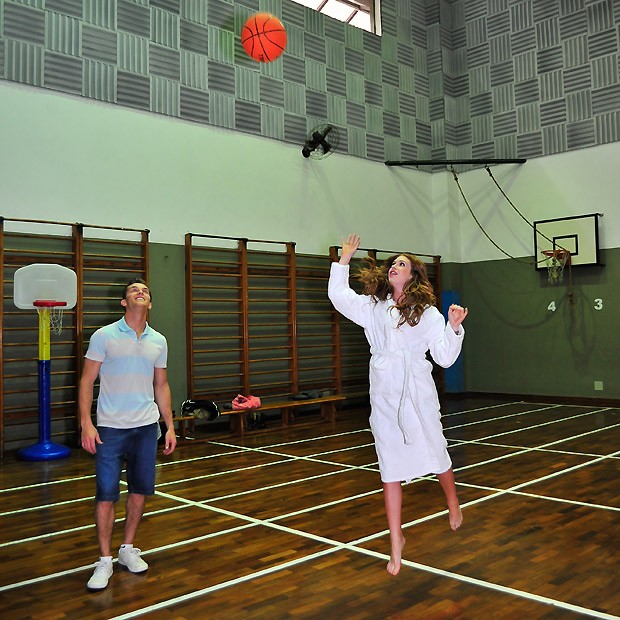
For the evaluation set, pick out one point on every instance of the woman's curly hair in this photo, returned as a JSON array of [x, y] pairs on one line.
[[417, 294]]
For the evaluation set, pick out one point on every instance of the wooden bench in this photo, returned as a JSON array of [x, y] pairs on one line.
[[238, 422], [182, 420]]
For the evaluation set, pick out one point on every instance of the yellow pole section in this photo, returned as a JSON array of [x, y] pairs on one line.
[[44, 334]]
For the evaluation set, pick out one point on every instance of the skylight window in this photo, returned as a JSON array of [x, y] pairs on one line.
[[358, 13]]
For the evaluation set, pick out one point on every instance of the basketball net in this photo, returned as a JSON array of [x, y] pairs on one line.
[[54, 311], [556, 261], [56, 315]]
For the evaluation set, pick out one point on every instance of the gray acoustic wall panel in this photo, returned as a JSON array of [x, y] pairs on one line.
[[479, 78]]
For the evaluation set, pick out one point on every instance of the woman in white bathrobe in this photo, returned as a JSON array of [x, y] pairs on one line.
[[401, 324]]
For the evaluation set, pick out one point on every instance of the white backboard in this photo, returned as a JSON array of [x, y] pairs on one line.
[[578, 235], [47, 281]]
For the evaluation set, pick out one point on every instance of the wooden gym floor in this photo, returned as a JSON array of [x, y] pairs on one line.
[[289, 523]]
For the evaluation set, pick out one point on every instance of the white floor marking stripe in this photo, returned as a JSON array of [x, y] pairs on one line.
[[530, 428], [271, 522], [502, 417], [355, 548], [542, 448], [80, 528], [466, 411], [78, 569], [241, 449], [492, 586], [226, 584], [249, 449]]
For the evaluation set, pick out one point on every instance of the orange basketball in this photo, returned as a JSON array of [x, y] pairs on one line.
[[263, 37]]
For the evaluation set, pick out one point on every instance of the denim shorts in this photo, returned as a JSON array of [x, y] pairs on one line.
[[137, 447]]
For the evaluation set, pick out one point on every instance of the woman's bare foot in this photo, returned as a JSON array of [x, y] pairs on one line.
[[393, 566], [456, 516]]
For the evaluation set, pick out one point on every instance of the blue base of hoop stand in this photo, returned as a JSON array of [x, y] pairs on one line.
[[45, 449]]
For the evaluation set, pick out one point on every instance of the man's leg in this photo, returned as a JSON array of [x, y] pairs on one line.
[[141, 482], [108, 463], [134, 508], [104, 520]]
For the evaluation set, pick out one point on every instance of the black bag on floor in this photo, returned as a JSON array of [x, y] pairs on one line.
[[202, 409]]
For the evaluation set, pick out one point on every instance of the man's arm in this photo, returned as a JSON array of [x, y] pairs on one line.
[[163, 399], [90, 436]]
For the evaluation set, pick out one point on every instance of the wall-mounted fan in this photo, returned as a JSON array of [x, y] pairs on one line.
[[322, 141]]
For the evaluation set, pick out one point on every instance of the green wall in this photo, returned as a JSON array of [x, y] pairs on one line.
[[167, 280], [515, 344]]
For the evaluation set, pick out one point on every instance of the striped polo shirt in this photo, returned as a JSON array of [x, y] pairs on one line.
[[126, 395]]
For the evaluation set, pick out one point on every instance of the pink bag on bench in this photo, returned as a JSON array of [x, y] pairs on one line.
[[245, 403]]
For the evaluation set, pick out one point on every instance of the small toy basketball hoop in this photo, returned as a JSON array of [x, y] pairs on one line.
[[55, 310], [50, 289], [556, 260]]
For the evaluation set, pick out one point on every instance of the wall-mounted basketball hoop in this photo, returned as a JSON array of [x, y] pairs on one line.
[[49, 289], [556, 260]]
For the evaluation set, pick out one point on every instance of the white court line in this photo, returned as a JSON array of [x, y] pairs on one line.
[[497, 493], [224, 472], [36, 485], [379, 490], [77, 569], [492, 586], [465, 411], [296, 441], [89, 476], [80, 528], [501, 417], [313, 457], [236, 449], [336, 546], [542, 448], [45, 506], [271, 487], [344, 466], [225, 584], [549, 498], [549, 423], [350, 547], [502, 491], [200, 458]]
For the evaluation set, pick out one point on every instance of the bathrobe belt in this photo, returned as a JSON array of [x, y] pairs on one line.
[[416, 369]]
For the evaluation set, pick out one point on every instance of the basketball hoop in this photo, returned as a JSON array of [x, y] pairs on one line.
[[50, 289], [54, 309], [556, 260]]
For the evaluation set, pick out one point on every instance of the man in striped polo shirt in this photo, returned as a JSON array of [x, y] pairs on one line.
[[130, 359]]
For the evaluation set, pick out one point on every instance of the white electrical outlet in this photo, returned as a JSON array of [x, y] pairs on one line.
[[598, 386]]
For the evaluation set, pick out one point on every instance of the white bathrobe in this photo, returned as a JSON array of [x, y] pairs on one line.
[[404, 406]]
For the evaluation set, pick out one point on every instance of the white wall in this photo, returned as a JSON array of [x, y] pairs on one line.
[[74, 160], [565, 185]]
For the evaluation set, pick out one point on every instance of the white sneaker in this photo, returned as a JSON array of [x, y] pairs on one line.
[[130, 559], [101, 576]]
